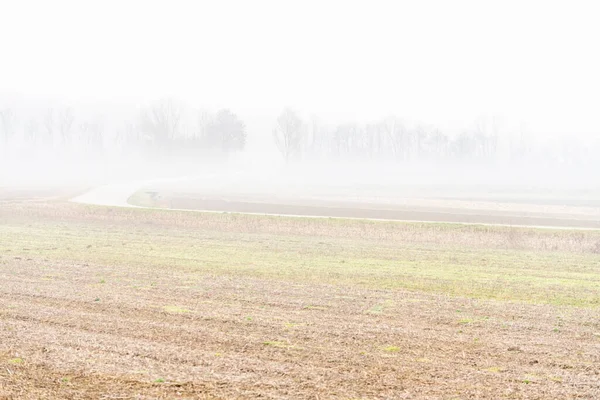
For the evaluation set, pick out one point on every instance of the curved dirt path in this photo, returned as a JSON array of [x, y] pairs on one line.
[[117, 195], [109, 195]]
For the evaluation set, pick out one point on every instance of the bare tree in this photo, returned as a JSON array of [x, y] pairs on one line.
[[399, 137], [314, 139], [289, 134], [374, 141], [436, 145], [7, 125], [486, 139], [341, 140], [31, 131], [161, 122], [91, 133], [349, 140], [128, 137], [520, 147], [204, 119], [226, 132], [464, 147], [65, 123], [49, 126]]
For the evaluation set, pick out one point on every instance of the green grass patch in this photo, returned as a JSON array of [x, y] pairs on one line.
[[275, 343], [311, 307], [175, 310]]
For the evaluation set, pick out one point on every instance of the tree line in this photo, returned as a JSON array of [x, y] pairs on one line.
[[162, 128], [392, 140], [168, 128]]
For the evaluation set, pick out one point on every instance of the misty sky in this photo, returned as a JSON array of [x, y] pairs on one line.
[[440, 62]]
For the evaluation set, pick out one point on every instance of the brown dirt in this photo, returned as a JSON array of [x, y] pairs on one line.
[[149, 332]]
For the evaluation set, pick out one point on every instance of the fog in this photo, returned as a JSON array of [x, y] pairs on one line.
[[50, 144], [354, 99]]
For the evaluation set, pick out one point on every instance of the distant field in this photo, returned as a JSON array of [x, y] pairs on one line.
[[101, 302], [383, 208]]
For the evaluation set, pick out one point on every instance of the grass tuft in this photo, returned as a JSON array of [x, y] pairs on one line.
[[175, 310]]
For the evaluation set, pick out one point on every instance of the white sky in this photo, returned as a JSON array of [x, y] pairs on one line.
[[440, 62]]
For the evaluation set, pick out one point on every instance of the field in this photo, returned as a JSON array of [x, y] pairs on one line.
[[115, 303]]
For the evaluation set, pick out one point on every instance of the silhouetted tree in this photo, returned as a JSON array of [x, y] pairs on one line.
[[65, 123], [289, 134], [226, 132], [48, 138], [91, 134], [7, 125], [203, 118], [161, 122], [436, 145], [349, 141], [31, 131], [315, 139]]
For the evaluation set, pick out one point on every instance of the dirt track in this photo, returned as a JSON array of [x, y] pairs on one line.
[[424, 210]]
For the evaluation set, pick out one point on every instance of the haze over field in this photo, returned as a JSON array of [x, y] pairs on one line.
[[330, 199], [337, 91], [502, 73]]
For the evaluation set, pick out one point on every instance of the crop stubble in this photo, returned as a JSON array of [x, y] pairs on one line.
[[94, 304]]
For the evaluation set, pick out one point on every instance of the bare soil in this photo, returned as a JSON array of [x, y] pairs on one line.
[[89, 329]]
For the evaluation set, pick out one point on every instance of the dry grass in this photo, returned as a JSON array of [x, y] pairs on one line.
[[113, 303], [471, 236]]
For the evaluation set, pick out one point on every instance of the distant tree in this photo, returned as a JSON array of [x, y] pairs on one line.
[[348, 140], [128, 138], [48, 138], [161, 122], [289, 134], [31, 131], [374, 141], [314, 139], [7, 125], [464, 147], [204, 119], [520, 146], [400, 138], [91, 134], [226, 132], [419, 141], [65, 123], [436, 145]]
